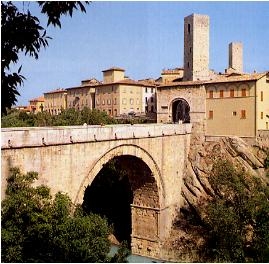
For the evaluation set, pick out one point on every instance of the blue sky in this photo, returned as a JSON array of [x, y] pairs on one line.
[[143, 38]]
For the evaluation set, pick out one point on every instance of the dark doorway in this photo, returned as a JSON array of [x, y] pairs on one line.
[[181, 111], [110, 196]]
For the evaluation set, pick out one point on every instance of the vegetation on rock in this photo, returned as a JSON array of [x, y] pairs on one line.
[[237, 217]]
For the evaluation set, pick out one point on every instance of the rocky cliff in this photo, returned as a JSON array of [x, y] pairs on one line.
[[187, 234]]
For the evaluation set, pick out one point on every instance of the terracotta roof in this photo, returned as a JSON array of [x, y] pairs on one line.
[[38, 99], [114, 69], [59, 90], [128, 82], [236, 77], [222, 78]]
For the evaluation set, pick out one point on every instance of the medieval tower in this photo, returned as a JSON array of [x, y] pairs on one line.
[[236, 56], [196, 47]]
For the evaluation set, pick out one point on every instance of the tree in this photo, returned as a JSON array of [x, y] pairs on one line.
[[237, 217], [37, 228], [22, 32]]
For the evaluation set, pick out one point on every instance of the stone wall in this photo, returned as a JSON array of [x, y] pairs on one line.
[[195, 97]]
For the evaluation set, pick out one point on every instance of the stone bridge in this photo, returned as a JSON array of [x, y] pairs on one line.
[[68, 159]]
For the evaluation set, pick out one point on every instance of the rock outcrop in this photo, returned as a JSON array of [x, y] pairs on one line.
[[187, 235]]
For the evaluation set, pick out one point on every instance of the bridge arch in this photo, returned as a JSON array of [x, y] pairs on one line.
[[124, 150], [147, 190], [180, 110]]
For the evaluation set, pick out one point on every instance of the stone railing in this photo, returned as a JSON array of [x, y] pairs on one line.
[[46, 136]]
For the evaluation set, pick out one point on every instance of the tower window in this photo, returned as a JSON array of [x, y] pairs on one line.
[[261, 96], [210, 114], [188, 65], [243, 114], [189, 28]]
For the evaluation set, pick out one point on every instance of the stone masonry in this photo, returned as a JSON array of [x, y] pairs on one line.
[[67, 159]]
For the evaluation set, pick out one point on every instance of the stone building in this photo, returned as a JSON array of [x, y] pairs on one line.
[[36, 105], [83, 95], [230, 103], [55, 101], [118, 95]]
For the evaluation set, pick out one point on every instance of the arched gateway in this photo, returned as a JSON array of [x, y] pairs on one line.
[[180, 111]]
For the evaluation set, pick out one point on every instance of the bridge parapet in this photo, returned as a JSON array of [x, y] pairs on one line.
[[47, 136]]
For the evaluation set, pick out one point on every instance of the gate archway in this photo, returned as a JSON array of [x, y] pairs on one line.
[[180, 111]]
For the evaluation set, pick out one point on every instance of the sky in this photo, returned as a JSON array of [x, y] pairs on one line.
[[143, 38]]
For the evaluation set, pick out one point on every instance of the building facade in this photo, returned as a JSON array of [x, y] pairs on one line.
[[36, 105], [120, 96], [83, 95], [55, 101]]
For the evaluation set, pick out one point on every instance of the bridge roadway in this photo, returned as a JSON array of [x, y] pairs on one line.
[[67, 159]]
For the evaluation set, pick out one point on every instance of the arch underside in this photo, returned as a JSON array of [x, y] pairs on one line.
[[146, 185], [180, 111]]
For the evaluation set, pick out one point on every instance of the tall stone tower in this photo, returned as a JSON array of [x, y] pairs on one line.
[[236, 56], [196, 47]]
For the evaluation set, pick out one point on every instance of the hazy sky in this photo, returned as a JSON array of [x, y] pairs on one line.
[[143, 38]]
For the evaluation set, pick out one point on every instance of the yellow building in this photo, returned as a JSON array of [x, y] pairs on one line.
[[237, 104], [118, 95], [36, 105], [82, 96], [55, 101]]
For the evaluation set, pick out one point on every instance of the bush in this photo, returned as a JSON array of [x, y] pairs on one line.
[[37, 228], [237, 217]]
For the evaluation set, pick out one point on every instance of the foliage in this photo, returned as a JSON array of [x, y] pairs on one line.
[[21, 32], [68, 117], [237, 218], [37, 228]]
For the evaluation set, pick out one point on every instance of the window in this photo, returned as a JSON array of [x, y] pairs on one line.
[[210, 94], [232, 93], [190, 49], [131, 101], [108, 101], [210, 114], [221, 93], [103, 102], [243, 114], [234, 113], [151, 90], [189, 28], [261, 115], [146, 89], [243, 92], [261, 96], [151, 99], [109, 112], [124, 101]]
